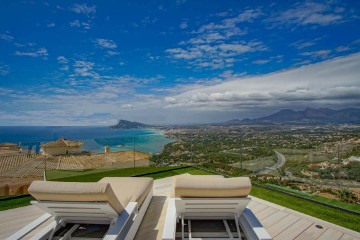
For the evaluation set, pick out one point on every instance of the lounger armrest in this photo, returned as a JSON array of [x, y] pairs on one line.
[[31, 226], [121, 227], [46, 232], [251, 226], [170, 221]]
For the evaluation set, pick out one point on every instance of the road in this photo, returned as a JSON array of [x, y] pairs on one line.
[[280, 162]]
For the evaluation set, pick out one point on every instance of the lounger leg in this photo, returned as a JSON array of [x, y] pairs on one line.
[[228, 229], [237, 225], [189, 228], [58, 223], [47, 232], [182, 228], [71, 231]]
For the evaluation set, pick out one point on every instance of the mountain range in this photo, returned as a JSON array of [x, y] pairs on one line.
[[309, 115]]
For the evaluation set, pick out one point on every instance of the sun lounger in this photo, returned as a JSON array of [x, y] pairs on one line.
[[119, 203], [211, 198]]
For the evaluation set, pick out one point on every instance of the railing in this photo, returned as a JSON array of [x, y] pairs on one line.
[[306, 199], [136, 175], [225, 175], [287, 193]]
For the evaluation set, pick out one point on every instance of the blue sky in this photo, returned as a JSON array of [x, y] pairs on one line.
[[94, 62]]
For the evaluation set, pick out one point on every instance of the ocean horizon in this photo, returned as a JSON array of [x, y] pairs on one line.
[[95, 138]]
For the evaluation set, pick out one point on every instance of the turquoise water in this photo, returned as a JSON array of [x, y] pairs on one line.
[[94, 138]]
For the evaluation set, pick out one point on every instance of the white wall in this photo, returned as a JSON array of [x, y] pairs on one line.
[[62, 150]]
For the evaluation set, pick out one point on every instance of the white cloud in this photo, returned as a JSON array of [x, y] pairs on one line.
[[162, 8], [112, 53], [62, 60], [93, 92], [4, 69], [105, 43], [183, 25], [29, 44], [105, 98], [179, 2], [215, 56], [148, 20], [261, 61], [317, 54], [151, 57], [75, 23], [50, 25], [229, 75], [84, 25], [342, 49], [316, 84], [276, 58], [7, 92], [41, 52], [231, 23], [308, 13], [64, 68], [83, 8], [6, 37], [301, 44], [214, 44], [85, 69]]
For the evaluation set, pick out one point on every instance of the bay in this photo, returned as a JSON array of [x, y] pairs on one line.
[[94, 138]]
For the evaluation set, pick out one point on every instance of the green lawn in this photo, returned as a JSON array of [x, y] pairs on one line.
[[96, 175], [335, 216], [190, 170], [15, 203], [54, 174]]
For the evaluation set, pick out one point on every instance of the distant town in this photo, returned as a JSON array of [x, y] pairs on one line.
[[318, 159]]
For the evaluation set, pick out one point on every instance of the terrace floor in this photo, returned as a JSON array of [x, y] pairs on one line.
[[280, 222]]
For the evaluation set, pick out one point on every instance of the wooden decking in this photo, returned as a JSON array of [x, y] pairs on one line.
[[284, 223], [280, 222]]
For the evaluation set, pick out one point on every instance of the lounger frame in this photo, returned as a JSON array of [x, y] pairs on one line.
[[123, 226], [182, 209]]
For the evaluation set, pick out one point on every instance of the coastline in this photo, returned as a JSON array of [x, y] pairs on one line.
[[149, 140]]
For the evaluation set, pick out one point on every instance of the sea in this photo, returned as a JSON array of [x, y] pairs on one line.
[[94, 138]]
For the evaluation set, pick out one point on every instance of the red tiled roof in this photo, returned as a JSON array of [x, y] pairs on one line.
[[62, 142]]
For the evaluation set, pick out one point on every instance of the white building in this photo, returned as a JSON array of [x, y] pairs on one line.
[[354, 158], [62, 146]]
